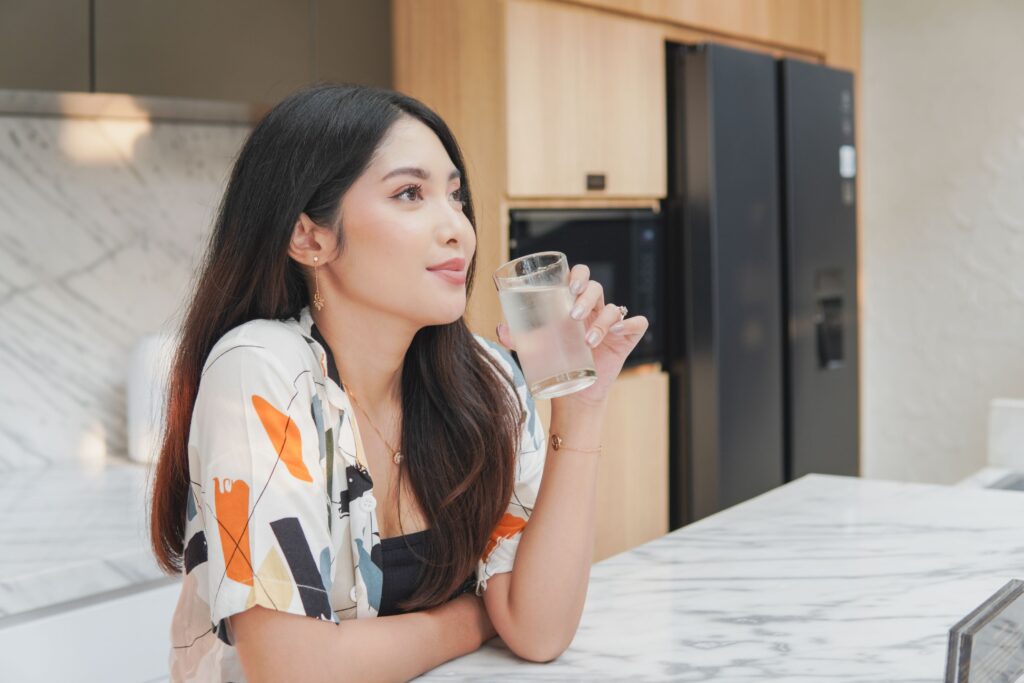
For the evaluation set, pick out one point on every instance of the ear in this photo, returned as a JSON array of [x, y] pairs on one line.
[[309, 240]]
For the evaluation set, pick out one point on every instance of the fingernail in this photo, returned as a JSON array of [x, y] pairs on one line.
[[617, 327], [577, 312], [592, 337], [575, 287], [497, 330]]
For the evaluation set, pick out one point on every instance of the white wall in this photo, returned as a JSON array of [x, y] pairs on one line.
[[943, 230]]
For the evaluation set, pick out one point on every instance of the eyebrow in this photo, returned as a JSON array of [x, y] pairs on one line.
[[419, 173]]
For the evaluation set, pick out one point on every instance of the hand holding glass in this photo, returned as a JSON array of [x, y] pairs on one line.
[[551, 345]]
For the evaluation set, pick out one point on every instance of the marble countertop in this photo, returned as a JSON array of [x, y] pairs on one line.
[[71, 532], [824, 579], [987, 476]]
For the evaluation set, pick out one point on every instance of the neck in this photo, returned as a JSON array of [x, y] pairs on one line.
[[369, 347]]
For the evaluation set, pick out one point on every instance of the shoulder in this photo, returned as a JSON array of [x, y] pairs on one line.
[[532, 437], [494, 348], [277, 342], [504, 358]]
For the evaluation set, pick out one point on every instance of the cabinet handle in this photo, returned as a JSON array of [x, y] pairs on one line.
[[595, 181]]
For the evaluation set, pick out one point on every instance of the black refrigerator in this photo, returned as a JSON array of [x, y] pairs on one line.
[[761, 286]]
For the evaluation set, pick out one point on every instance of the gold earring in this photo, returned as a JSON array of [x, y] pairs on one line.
[[318, 299]]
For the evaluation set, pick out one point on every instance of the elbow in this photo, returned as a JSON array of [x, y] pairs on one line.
[[539, 647], [540, 655], [531, 631]]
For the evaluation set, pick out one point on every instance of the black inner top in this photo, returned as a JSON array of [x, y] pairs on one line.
[[403, 570]]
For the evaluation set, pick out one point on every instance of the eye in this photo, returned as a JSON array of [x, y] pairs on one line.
[[460, 197], [411, 188]]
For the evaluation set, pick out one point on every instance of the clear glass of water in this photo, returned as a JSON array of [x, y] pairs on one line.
[[551, 346]]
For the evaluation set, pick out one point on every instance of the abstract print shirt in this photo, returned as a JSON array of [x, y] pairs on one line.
[[281, 509]]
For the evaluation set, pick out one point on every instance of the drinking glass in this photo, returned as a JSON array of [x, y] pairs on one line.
[[551, 345]]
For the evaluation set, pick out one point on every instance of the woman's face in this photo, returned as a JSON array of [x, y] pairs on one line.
[[397, 223]]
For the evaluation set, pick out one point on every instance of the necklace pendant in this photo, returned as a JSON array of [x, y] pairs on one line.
[[398, 457]]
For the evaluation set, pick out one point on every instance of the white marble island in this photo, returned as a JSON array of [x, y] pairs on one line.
[[78, 577], [72, 532], [823, 579]]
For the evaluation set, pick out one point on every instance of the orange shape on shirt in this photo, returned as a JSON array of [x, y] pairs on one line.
[[508, 527], [232, 511], [284, 435]]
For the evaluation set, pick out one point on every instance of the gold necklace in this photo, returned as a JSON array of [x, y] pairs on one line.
[[397, 457]]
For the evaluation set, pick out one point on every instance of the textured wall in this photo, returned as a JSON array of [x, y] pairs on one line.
[[943, 230], [101, 225]]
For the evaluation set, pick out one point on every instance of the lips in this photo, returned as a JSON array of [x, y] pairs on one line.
[[455, 277], [453, 271], [458, 264]]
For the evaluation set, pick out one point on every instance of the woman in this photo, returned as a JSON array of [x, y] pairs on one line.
[[339, 445]]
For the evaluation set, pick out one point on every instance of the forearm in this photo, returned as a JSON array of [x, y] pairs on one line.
[[392, 648], [548, 588], [452, 630]]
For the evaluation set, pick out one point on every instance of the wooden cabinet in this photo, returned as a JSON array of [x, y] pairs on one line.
[[798, 24], [44, 45], [248, 50], [352, 42], [820, 30], [585, 97], [238, 50], [632, 483]]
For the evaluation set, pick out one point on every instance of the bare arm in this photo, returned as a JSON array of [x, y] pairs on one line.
[[536, 608], [277, 646]]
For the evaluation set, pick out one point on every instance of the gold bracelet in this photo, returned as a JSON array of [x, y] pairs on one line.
[[556, 444]]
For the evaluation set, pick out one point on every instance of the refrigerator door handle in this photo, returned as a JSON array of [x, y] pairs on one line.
[[828, 327]]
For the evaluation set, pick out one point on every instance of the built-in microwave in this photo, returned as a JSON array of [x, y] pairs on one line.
[[623, 248]]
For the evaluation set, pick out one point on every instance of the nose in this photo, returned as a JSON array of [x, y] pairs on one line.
[[452, 223]]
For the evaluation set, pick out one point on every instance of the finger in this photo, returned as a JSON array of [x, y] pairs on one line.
[[591, 298], [505, 336], [637, 325], [578, 276], [608, 316]]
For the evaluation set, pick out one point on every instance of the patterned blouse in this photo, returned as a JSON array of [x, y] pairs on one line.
[[281, 508]]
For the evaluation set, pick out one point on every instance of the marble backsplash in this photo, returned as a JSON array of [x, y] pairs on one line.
[[102, 222]]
